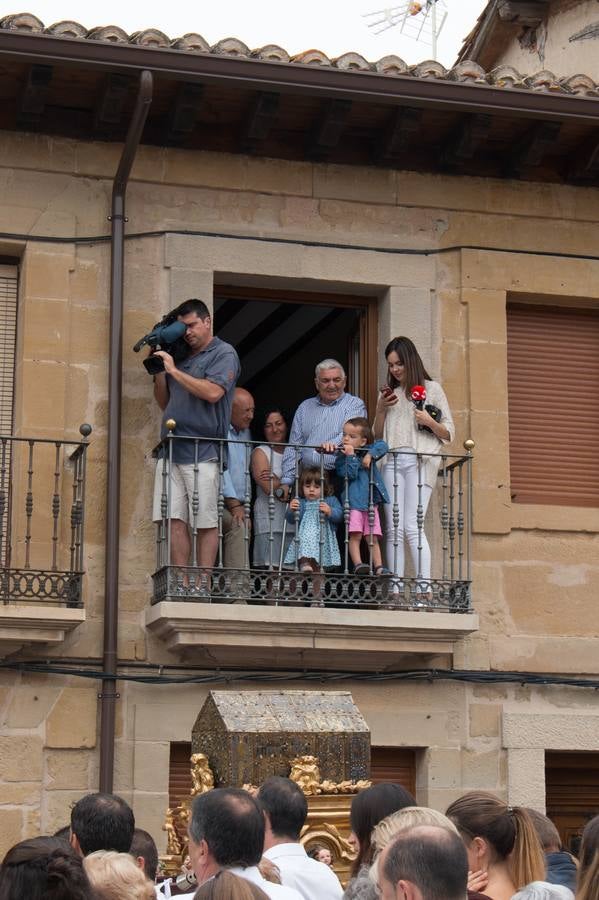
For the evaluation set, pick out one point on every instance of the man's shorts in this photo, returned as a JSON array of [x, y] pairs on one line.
[[182, 485], [359, 523]]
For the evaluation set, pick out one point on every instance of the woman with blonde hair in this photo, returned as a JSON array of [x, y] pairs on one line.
[[226, 886], [501, 842], [116, 875], [588, 874]]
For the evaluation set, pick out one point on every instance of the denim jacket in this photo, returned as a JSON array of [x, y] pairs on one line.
[[358, 478]]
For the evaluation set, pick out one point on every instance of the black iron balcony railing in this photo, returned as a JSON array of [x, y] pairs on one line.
[[42, 510], [441, 584]]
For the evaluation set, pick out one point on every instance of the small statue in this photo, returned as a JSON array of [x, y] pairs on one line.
[[202, 779], [306, 774], [173, 844]]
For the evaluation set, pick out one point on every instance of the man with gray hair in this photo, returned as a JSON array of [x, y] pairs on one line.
[[425, 863], [319, 421]]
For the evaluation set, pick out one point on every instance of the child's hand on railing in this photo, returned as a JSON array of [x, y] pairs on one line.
[[325, 508], [367, 460], [295, 504]]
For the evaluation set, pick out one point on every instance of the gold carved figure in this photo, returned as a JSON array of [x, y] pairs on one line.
[[202, 779], [173, 844], [306, 774]]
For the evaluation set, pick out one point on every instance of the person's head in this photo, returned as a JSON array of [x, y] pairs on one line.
[[546, 831], [425, 863], [321, 854], [310, 486], [196, 317], [543, 890], [243, 409], [404, 365], [101, 822], [496, 834], [226, 830], [357, 433], [285, 809], [399, 822], [329, 377], [274, 426], [588, 874], [43, 868], [144, 851], [226, 886], [368, 808], [116, 875]]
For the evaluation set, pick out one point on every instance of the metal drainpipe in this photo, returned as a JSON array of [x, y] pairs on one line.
[[108, 695]]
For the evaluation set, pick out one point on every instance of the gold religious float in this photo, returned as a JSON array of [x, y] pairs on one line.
[[319, 739]]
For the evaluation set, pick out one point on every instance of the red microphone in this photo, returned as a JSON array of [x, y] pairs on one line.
[[418, 396]]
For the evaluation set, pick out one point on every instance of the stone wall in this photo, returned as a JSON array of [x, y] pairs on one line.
[[535, 573]]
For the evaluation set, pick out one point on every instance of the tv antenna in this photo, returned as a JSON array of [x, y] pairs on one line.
[[421, 20]]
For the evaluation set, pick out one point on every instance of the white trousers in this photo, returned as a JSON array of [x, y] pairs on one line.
[[400, 475]]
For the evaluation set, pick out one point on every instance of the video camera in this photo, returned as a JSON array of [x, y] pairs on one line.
[[165, 335]]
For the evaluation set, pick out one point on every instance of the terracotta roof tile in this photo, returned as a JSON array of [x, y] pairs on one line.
[[389, 66]]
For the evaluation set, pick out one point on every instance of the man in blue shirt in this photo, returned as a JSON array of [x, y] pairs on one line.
[[319, 421], [197, 393], [236, 486]]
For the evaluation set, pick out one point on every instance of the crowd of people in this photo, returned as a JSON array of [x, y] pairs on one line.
[[246, 846], [307, 483]]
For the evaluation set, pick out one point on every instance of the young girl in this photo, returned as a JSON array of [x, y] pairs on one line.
[[353, 465], [310, 504]]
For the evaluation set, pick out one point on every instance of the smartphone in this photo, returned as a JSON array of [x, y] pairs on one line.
[[386, 391]]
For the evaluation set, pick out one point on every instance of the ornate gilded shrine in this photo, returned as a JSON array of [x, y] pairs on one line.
[[250, 735], [319, 739]]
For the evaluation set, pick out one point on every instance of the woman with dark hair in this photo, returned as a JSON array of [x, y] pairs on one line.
[[410, 430], [43, 868], [501, 843], [368, 808], [588, 874], [269, 513]]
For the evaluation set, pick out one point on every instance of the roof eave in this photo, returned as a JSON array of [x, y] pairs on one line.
[[358, 86]]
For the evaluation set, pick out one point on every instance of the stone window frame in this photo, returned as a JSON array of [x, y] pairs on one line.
[[489, 279], [527, 736]]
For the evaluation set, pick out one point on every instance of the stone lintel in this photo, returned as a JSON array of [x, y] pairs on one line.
[[24, 625]]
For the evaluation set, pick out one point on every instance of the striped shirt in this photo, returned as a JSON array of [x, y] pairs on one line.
[[317, 423]]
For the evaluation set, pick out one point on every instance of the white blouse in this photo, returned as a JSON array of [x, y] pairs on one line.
[[401, 429]]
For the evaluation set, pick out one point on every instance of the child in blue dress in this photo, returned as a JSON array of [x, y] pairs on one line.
[[315, 502], [355, 465]]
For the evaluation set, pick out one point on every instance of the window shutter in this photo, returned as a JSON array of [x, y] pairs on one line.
[[179, 781], [553, 399], [8, 330]]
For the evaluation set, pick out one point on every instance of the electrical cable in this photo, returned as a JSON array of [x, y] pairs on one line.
[[327, 245], [233, 676]]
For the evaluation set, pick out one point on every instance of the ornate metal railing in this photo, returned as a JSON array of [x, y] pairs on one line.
[[42, 512], [281, 579]]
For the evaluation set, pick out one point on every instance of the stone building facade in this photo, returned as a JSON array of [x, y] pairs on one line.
[[535, 568]]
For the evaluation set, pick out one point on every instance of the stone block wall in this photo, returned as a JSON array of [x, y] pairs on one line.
[[535, 570]]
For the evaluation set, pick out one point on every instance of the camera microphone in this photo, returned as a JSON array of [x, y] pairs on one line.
[[162, 334]]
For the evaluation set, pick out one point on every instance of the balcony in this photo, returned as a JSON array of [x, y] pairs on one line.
[[42, 512], [276, 615]]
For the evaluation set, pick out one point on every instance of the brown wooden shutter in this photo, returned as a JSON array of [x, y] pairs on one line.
[[395, 765], [179, 776], [553, 393]]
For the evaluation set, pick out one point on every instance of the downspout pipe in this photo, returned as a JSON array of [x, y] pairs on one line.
[[108, 695]]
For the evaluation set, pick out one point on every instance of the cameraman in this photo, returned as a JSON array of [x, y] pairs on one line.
[[197, 393]]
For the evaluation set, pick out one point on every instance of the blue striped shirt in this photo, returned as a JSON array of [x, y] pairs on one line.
[[317, 423]]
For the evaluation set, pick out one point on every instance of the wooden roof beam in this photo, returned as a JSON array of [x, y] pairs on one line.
[[531, 150], [467, 138], [328, 129], [584, 162], [184, 112], [35, 93], [523, 12], [402, 126], [111, 102], [262, 116]]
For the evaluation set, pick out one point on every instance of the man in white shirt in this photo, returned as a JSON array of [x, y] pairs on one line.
[[285, 810], [226, 831]]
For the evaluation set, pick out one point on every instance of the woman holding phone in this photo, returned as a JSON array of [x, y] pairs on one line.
[[410, 430]]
